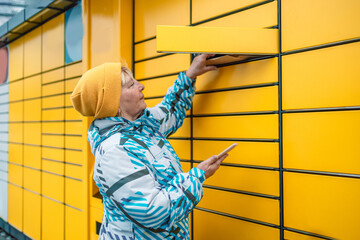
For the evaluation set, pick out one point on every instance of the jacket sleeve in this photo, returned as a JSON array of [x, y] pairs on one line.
[[172, 109], [132, 186]]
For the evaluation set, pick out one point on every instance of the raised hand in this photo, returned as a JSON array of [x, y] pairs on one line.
[[198, 66], [211, 165]]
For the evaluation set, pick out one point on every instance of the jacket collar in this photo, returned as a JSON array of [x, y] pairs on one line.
[[101, 129]]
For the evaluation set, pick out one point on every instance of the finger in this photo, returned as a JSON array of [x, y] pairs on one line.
[[220, 160], [209, 55], [212, 160], [216, 165], [210, 68], [203, 56]]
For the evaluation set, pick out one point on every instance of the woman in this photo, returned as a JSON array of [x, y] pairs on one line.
[[145, 193]]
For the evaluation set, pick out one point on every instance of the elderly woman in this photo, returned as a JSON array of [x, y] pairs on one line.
[[146, 195]]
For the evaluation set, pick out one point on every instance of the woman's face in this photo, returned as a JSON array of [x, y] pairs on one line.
[[132, 102]]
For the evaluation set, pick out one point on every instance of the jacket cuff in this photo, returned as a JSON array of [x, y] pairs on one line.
[[189, 81], [197, 172]]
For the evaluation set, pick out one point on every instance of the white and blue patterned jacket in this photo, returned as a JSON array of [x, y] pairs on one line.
[[145, 193]]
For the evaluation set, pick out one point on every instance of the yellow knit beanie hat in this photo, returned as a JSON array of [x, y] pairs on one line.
[[98, 91]]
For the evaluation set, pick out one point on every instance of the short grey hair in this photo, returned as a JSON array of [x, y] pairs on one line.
[[125, 70]]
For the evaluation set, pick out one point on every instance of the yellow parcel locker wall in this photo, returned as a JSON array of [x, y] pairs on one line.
[[295, 172], [320, 122], [16, 118], [75, 190], [32, 134], [253, 85], [46, 191]]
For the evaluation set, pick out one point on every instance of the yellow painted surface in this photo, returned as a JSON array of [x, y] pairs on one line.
[[96, 215], [33, 156], [32, 133], [158, 86], [16, 134], [16, 111], [54, 88], [53, 127], [248, 18], [145, 50], [15, 201], [53, 167], [104, 41], [16, 59], [322, 78], [32, 52], [15, 174], [54, 141], [94, 201], [251, 126], [36, 55], [53, 43], [185, 166], [252, 153], [181, 147], [74, 70], [221, 227], [203, 9], [32, 87], [322, 204], [53, 154], [32, 179], [67, 97], [74, 157], [73, 171], [217, 40], [74, 225], [16, 90], [152, 102], [55, 101], [53, 75], [53, 114], [251, 73], [52, 212], [73, 142], [32, 215], [297, 236], [244, 100], [184, 130], [70, 84], [324, 141], [74, 193], [32, 110], [160, 66], [52, 186], [246, 179], [148, 14], [72, 114], [303, 27], [73, 127], [16, 153], [126, 27], [247, 206]]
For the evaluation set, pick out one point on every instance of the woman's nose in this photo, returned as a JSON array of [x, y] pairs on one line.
[[142, 87]]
